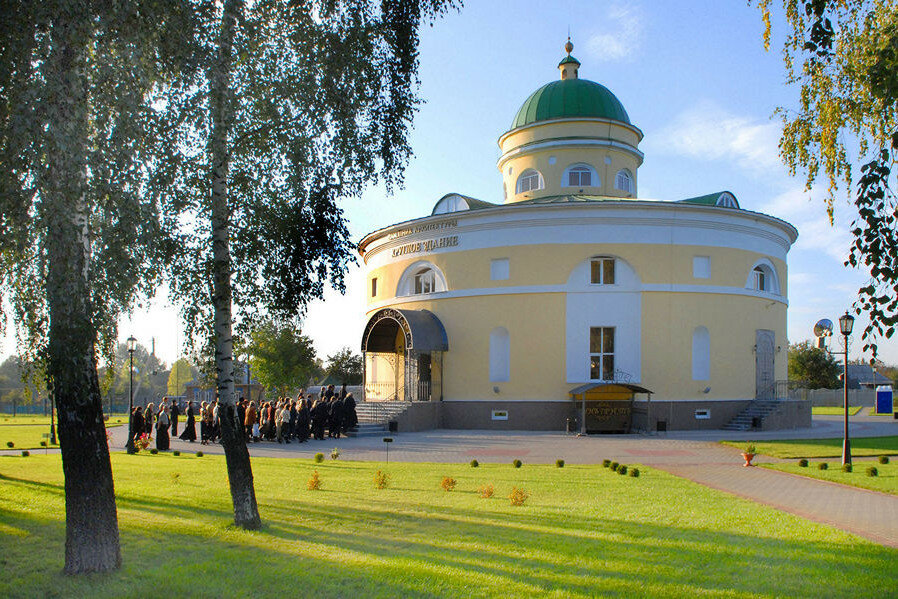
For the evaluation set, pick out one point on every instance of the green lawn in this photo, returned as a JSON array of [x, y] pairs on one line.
[[822, 448], [26, 431], [834, 411], [885, 482], [584, 532]]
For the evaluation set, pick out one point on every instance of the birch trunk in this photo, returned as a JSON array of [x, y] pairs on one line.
[[240, 473], [92, 539]]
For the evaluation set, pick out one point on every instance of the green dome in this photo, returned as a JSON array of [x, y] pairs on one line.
[[570, 98]]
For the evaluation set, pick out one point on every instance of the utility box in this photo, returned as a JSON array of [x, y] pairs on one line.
[[884, 400]]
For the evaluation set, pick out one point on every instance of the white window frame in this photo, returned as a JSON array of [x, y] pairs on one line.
[[623, 181], [424, 281], [416, 277], [580, 169], [602, 355], [602, 274], [527, 179], [763, 278]]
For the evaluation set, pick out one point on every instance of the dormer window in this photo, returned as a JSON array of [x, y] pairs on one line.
[[579, 175], [601, 271], [530, 180], [624, 181]]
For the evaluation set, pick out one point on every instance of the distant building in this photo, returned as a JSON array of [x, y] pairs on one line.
[[862, 376]]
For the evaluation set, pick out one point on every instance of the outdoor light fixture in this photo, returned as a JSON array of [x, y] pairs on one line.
[[822, 330], [132, 345]]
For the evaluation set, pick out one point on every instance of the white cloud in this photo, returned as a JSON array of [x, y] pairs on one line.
[[621, 35], [708, 132]]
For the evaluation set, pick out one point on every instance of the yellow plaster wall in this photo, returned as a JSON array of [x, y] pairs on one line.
[[569, 128]]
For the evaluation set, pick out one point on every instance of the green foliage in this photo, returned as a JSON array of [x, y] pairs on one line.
[[518, 496], [199, 454], [474, 463], [319, 457], [314, 482], [883, 459], [823, 448], [381, 480], [517, 463], [345, 366], [814, 367], [486, 491], [176, 453], [613, 466], [281, 357], [606, 463], [154, 451], [872, 471], [803, 463], [559, 463], [10, 444], [622, 469], [448, 483], [842, 58], [335, 453], [822, 466], [181, 373], [634, 472], [25, 453], [847, 468], [750, 448]]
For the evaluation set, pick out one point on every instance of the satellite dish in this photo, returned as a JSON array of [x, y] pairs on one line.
[[823, 328]]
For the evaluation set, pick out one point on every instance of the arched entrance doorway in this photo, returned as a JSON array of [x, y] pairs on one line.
[[402, 352]]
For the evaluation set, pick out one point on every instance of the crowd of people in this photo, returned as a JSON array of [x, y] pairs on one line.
[[283, 420]]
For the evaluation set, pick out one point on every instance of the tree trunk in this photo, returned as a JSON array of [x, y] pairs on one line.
[[92, 540], [240, 473]]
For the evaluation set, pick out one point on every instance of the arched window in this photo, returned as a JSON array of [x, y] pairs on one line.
[[420, 278], [701, 354], [624, 181], [500, 355], [762, 277], [529, 180], [580, 175]]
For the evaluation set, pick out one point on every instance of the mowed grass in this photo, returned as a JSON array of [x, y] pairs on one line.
[[885, 482], [834, 411], [26, 432], [584, 531], [822, 448]]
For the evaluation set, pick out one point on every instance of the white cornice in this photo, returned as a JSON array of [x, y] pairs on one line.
[[578, 142]]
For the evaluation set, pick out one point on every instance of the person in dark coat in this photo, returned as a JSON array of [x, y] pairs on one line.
[[333, 417], [241, 417], [302, 420], [137, 424], [189, 433], [319, 419], [162, 423], [175, 412], [294, 417], [343, 391], [350, 417], [148, 415]]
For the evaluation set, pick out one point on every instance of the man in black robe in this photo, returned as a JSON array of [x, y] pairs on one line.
[[175, 412]]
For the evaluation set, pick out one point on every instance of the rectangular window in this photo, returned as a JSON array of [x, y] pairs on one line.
[[601, 353], [374, 287], [424, 282], [760, 280], [701, 267], [579, 178], [602, 271], [499, 269]]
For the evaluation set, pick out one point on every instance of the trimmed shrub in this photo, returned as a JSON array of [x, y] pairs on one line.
[[517, 463], [10, 444], [559, 463], [518, 496], [319, 457], [154, 451], [381, 480], [199, 454], [176, 453], [622, 470], [822, 466], [314, 483], [606, 463], [486, 491], [335, 453], [803, 463], [883, 459], [872, 471], [614, 466], [448, 483], [846, 468], [474, 463], [634, 472], [43, 443], [25, 453]]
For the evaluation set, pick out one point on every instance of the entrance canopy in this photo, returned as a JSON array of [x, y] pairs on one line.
[[605, 388], [610, 406], [423, 331]]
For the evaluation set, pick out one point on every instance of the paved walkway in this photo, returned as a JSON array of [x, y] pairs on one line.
[[694, 455]]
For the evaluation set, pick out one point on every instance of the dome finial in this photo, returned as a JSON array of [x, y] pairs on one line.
[[569, 64], [569, 47]]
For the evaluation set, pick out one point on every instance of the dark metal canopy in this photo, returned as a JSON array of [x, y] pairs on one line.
[[422, 329], [591, 386]]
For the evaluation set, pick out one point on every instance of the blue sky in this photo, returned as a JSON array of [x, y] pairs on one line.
[[693, 75]]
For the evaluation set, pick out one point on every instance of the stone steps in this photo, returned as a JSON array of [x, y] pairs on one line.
[[753, 416]]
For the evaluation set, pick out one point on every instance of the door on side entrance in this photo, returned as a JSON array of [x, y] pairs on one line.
[[764, 381]]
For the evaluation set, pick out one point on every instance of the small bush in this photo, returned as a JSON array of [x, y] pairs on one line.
[[622, 470], [154, 451], [199, 454], [486, 491], [872, 471], [474, 463], [614, 466], [846, 468], [10, 444], [518, 496], [448, 483], [314, 483], [822, 466], [517, 463], [381, 480], [335, 453], [319, 457], [43, 443], [803, 463], [883, 459], [634, 472], [559, 463], [25, 453], [176, 453], [606, 463]]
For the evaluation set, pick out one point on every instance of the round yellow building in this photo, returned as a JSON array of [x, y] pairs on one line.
[[574, 303]]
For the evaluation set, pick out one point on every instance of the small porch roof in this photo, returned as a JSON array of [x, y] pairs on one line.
[[590, 386]]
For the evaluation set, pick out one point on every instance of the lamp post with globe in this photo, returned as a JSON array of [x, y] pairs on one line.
[[822, 330]]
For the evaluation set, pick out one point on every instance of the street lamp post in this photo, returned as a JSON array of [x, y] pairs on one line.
[[132, 343], [846, 323]]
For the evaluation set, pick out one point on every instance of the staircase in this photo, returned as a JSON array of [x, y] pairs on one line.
[[758, 408], [374, 416]]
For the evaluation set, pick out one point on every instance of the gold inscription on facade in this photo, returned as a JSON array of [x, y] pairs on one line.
[[436, 226], [425, 246]]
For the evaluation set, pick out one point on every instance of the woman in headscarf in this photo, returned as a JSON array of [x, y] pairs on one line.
[[189, 433], [163, 421], [148, 416]]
